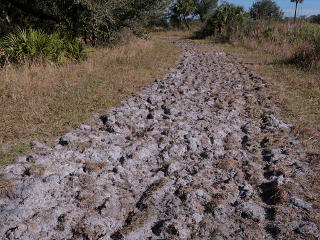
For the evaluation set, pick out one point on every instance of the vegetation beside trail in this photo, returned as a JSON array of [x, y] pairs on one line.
[[296, 44], [36, 45]]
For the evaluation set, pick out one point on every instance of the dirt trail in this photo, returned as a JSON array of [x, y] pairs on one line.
[[200, 154]]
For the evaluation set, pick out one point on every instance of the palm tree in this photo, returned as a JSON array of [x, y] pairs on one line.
[[295, 12]]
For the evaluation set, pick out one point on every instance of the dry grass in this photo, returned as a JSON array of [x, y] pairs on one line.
[[43, 102], [269, 47], [6, 187], [94, 166], [172, 35]]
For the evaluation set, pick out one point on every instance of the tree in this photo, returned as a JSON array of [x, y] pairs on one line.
[[226, 17], [265, 9], [315, 19], [91, 19], [203, 8], [181, 10], [295, 11]]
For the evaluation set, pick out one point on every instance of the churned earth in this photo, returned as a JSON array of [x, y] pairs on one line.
[[200, 154]]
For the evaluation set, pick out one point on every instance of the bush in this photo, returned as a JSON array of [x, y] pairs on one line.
[[307, 56], [224, 21], [295, 44], [35, 45], [315, 19]]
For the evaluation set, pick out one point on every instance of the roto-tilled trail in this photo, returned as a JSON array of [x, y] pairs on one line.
[[200, 154]]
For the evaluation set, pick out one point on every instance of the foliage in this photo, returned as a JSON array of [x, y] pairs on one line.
[[203, 8], [307, 56], [299, 44], [93, 20], [32, 45], [225, 19], [181, 9], [266, 9], [297, 1], [315, 19], [280, 33]]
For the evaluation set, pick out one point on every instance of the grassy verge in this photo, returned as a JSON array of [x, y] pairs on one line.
[[40, 102]]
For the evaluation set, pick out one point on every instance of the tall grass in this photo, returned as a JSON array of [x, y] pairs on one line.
[[296, 44], [36, 45]]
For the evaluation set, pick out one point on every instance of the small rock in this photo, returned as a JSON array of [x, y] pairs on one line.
[[174, 167], [299, 203], [197, 217], [246, 191], [84, 128], [252, 211], [307, 228], [38, 145], [199, 193], [68, 138]]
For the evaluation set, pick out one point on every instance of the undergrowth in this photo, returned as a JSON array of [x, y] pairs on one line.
[[297, 44], [36, 45]]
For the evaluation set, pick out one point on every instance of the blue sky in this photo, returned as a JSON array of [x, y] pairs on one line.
[[309, 7]]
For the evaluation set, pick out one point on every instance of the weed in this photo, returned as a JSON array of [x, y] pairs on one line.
[[306, 56]]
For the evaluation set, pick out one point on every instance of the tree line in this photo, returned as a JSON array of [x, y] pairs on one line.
[[93, 20], [101, 20], [97, 20]]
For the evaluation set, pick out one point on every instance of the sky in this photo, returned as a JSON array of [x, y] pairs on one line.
[[309, 7]]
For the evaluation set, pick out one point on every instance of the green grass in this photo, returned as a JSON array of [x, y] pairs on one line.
[[8, 154]]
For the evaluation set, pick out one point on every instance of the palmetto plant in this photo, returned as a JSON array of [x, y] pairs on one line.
[[35, 45], [295, 12]]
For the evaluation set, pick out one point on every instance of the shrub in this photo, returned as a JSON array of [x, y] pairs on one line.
[[225, 20], [307, 56], [35, 45], [76, 51], [296, 44], [315, 19]]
